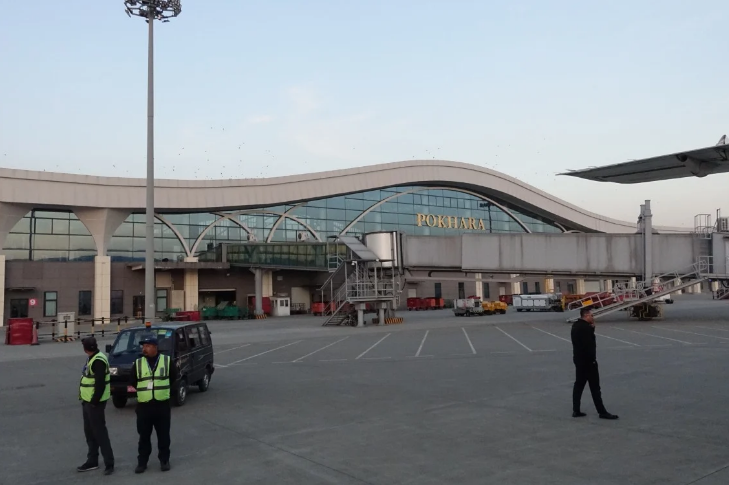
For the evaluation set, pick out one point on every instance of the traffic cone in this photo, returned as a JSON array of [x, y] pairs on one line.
[[35, 336]]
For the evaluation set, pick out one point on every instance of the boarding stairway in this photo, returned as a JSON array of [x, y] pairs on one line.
[[359, 278], [626, 295]]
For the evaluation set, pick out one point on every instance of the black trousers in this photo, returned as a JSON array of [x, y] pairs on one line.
[[153, 415], [97, 436], [587, 373]]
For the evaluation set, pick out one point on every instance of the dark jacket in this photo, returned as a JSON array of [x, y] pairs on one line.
[[584, 348]]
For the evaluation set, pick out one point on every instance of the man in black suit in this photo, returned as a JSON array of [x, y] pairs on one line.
[[584, 355]]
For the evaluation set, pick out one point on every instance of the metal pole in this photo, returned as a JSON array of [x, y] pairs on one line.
[[648, 244], [149, 285]]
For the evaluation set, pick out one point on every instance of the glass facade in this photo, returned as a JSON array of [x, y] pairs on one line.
[[50, 236], [60, 236]]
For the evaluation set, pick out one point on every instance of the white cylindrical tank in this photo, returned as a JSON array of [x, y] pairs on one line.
[[385, 246]]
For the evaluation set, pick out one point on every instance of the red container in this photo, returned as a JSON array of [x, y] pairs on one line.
[[318, 308], [439, 303], [508, 299], [19, 331], [189, 316], [428, 303], [414, 304]]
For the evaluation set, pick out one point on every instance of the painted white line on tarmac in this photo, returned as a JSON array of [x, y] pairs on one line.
[[263, 353], [220, 366], [228, 350], [333, 360], [512, 338], [376, 358], [376, 344], [692, 333], [473, 349], [417, 354], [319, 350], [712, 328], [617, 339], [656, 336], [550, 350], [553, 335]]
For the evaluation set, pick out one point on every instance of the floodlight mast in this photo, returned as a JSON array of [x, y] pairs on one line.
[[151, 10]]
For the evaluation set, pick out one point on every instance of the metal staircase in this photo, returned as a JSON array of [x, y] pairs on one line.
[[360, 278], [625, 295]]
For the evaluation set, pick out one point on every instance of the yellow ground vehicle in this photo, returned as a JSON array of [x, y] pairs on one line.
[[491, 307]]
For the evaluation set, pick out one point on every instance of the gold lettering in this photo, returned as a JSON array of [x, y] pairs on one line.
[[441, 221], [463, 223], [454, 221], [421, 219], [480, 225], [472, 223], [427, 220]]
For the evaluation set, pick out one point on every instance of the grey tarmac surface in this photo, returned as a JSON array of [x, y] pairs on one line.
[[437, 399]]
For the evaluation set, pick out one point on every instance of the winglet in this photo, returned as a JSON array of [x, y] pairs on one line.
[[722, 141]]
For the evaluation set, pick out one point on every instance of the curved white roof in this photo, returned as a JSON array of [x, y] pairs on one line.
[[55, 190]]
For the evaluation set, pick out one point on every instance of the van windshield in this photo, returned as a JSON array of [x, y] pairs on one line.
[[128, 340]]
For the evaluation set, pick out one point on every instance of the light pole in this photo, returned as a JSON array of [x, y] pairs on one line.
[[151, 10]]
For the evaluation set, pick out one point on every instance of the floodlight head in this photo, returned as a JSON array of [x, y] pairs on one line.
[[156, 9]]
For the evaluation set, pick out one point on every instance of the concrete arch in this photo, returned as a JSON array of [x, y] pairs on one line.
[[172, 228], [395, 196], [221, 217], [560, 226]]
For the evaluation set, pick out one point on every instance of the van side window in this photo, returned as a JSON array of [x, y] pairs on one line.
[[180, 341], [193, 334], [204, 335]]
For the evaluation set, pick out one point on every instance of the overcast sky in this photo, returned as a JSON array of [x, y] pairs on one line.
[[267, 88]]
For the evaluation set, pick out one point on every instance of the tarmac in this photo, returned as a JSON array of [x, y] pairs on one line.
[[437, 399]]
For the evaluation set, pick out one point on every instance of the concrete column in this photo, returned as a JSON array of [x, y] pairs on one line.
[[548, 285], [267, 283], [607, 285], [516, 286], [690, 289], [102, 287], [381, 315], [360, 316], [2, 289], [714, 286], [678, 292], [647, 217], [633, 282], [192, 291], [580, 286], [258, 272], [479, 286], [697, 288]]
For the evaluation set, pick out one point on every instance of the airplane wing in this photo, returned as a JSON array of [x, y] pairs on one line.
[[693, 163]]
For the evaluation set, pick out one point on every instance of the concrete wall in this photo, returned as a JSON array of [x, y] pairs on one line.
[[67, 279]]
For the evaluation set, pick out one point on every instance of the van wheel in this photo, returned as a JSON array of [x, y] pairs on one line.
[[204, 383], [179, 392], [119, 401]]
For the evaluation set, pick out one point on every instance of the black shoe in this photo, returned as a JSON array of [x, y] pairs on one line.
[[577, 414], [109, 470], [140, 469], [87, 467], [165, 466], [608, 416]]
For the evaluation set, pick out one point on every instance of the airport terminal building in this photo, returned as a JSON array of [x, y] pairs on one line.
[[75, 243]]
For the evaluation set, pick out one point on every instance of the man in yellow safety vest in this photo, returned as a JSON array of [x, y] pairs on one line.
[[94, 392], [151, 378]]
